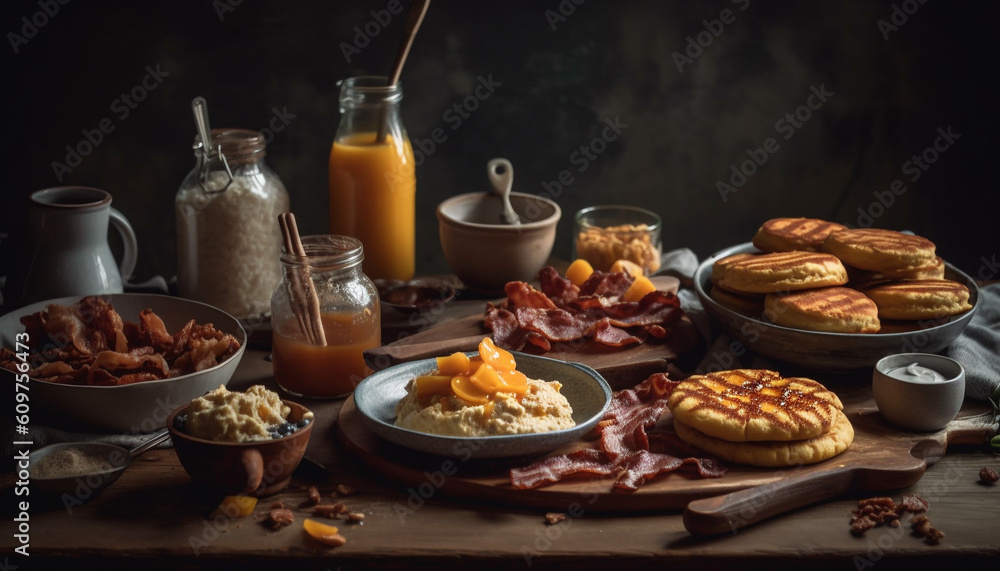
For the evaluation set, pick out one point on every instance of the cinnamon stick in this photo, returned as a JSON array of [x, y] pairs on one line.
[[302, 292]]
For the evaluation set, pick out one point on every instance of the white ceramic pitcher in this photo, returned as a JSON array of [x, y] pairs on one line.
[[71, 256]]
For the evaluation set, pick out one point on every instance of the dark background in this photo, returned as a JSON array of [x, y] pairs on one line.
[[560, 80]]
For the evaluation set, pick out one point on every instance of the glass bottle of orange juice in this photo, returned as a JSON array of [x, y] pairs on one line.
[[348, 313], [373, 177]]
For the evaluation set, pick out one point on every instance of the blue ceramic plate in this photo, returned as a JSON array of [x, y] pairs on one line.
[[585, 389]]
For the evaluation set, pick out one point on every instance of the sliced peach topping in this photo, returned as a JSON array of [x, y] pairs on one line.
[[466, 390], [496, 357], [430, 385], [455, 364], [476, 379], [514, 382]]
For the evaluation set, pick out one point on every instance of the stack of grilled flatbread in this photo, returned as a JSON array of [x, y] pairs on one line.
[[822, 276], [759, 418]]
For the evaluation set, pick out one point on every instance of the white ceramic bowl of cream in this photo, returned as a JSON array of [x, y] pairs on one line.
[[919, 391]]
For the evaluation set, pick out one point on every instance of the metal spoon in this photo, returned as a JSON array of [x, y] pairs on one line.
[[79, 488], [501, 175], [209, 155]]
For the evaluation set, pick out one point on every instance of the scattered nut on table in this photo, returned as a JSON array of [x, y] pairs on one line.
[[988, 475]]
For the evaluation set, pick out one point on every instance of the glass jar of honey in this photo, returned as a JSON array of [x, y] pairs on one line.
[[372, 177], [348, 315]]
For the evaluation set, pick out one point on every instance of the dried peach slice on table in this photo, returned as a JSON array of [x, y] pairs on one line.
[[323, 533]]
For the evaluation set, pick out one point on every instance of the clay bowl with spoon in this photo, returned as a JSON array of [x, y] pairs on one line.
[[78, 471], [486, 251]]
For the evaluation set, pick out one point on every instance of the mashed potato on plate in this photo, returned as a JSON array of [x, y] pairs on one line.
[[542, 409]]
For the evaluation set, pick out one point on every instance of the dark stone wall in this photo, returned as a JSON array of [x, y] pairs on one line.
[[561, 70]]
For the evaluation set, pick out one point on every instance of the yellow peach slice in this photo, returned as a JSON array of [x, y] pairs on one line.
[[513, 382], [629, 267], [429, 385], [496, 357], [466, 390], [235, 506], [579, 271], [486, 379], [322, 532], [455, 364], [639, 288]]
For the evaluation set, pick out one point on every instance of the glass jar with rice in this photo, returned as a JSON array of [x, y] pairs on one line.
[[227, 232]]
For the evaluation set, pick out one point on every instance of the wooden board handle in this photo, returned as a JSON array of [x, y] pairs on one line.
[[389, 355], [730, 512]]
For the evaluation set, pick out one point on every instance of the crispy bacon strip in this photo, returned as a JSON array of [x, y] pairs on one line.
[[624, 450], [563, 312], [89, 343], [645, 465], [554, 468]]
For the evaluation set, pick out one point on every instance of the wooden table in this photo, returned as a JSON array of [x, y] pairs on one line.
[[153, 518]]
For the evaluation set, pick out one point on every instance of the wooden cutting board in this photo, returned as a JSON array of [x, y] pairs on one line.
[[619, 366], [882, 457]]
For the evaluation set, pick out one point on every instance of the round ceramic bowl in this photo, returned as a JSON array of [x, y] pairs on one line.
[[912, 402], [139, 407], [822, 351], [259, 468], [483, 251], [585, 389], [415, 296]]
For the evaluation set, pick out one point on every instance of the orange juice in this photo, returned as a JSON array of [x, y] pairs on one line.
[[332, 370], [372, 198]]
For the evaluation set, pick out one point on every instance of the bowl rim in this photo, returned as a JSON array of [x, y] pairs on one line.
[[249, 444], [240, 334], [500, 227], [449, 293], [706, 266], [881, 373], [433, 443]]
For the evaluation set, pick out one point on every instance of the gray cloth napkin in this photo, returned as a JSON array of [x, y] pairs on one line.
[[977, 349]]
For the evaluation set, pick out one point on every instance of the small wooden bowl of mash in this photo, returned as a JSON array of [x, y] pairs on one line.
[[225, 442]]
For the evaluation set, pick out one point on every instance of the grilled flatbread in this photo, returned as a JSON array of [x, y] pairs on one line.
[[775, 454], [752, 405], [788, 234], [831, 309]]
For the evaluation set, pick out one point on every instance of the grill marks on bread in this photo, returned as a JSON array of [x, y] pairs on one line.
[[746, 405], [877, 249], [759, 418], [782, 271], [832, 309], [788, 234], [919, 299]]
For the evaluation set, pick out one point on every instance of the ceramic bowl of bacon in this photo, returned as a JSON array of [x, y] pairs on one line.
[[118, 362], [586, 390]]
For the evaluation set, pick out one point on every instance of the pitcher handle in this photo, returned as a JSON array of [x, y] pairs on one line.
[[131, 247]]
